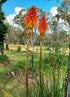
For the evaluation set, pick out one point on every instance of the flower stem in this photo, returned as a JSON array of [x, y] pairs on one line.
[[27, 55], [53, 75], [40, 65]]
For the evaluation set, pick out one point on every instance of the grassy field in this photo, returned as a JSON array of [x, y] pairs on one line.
[[23, 47], [10, 83]]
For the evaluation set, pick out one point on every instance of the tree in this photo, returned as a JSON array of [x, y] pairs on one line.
[[19, 19], [2, 1], [53, 25], [3, 27], [64, 12], [15, 35]]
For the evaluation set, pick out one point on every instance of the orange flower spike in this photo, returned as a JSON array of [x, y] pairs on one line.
[[42, 27], [52, 62], [31, 18]]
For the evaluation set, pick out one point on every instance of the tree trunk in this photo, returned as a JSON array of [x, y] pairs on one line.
[[7, 47], [67, 90], [1, 52], [1, 47]]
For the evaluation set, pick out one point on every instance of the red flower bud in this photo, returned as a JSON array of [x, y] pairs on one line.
[[52, 62]]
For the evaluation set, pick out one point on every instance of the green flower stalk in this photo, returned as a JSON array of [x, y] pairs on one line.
[[27, 57], [42, 27], [53, 74], [40, 62]]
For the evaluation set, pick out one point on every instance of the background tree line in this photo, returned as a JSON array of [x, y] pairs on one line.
[[17, 35]]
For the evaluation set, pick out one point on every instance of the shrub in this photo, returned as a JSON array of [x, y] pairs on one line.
[[3, 58], [35, 64], [18, 66], [48, 48], [18, 49]]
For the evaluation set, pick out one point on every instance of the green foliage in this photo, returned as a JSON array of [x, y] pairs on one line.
[[3, 58], [65, 45], [35, 65], [3, 27], [60, 61], [18, 49], [49, 89], [18, 66], [48, 49], [64, 9], [2, 1]]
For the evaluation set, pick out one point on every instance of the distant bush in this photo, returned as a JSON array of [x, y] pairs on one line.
[[48, 48], [3, 58], [18, 66], [59, 60], [18, 49], [35, 64]]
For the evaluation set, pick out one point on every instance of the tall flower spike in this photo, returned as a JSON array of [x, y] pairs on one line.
[[30, 20], [42, 27], [52, 62]]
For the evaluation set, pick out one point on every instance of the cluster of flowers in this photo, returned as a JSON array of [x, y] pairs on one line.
[[31, 21]]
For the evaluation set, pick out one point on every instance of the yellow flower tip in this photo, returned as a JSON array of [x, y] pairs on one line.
[[29, 25], [5, 93], [41, 31]]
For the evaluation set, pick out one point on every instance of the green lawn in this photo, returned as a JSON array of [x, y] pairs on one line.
[[10, 83]]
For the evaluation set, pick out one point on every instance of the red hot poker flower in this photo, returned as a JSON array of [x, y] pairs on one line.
[[31, 18], [42, 27]]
